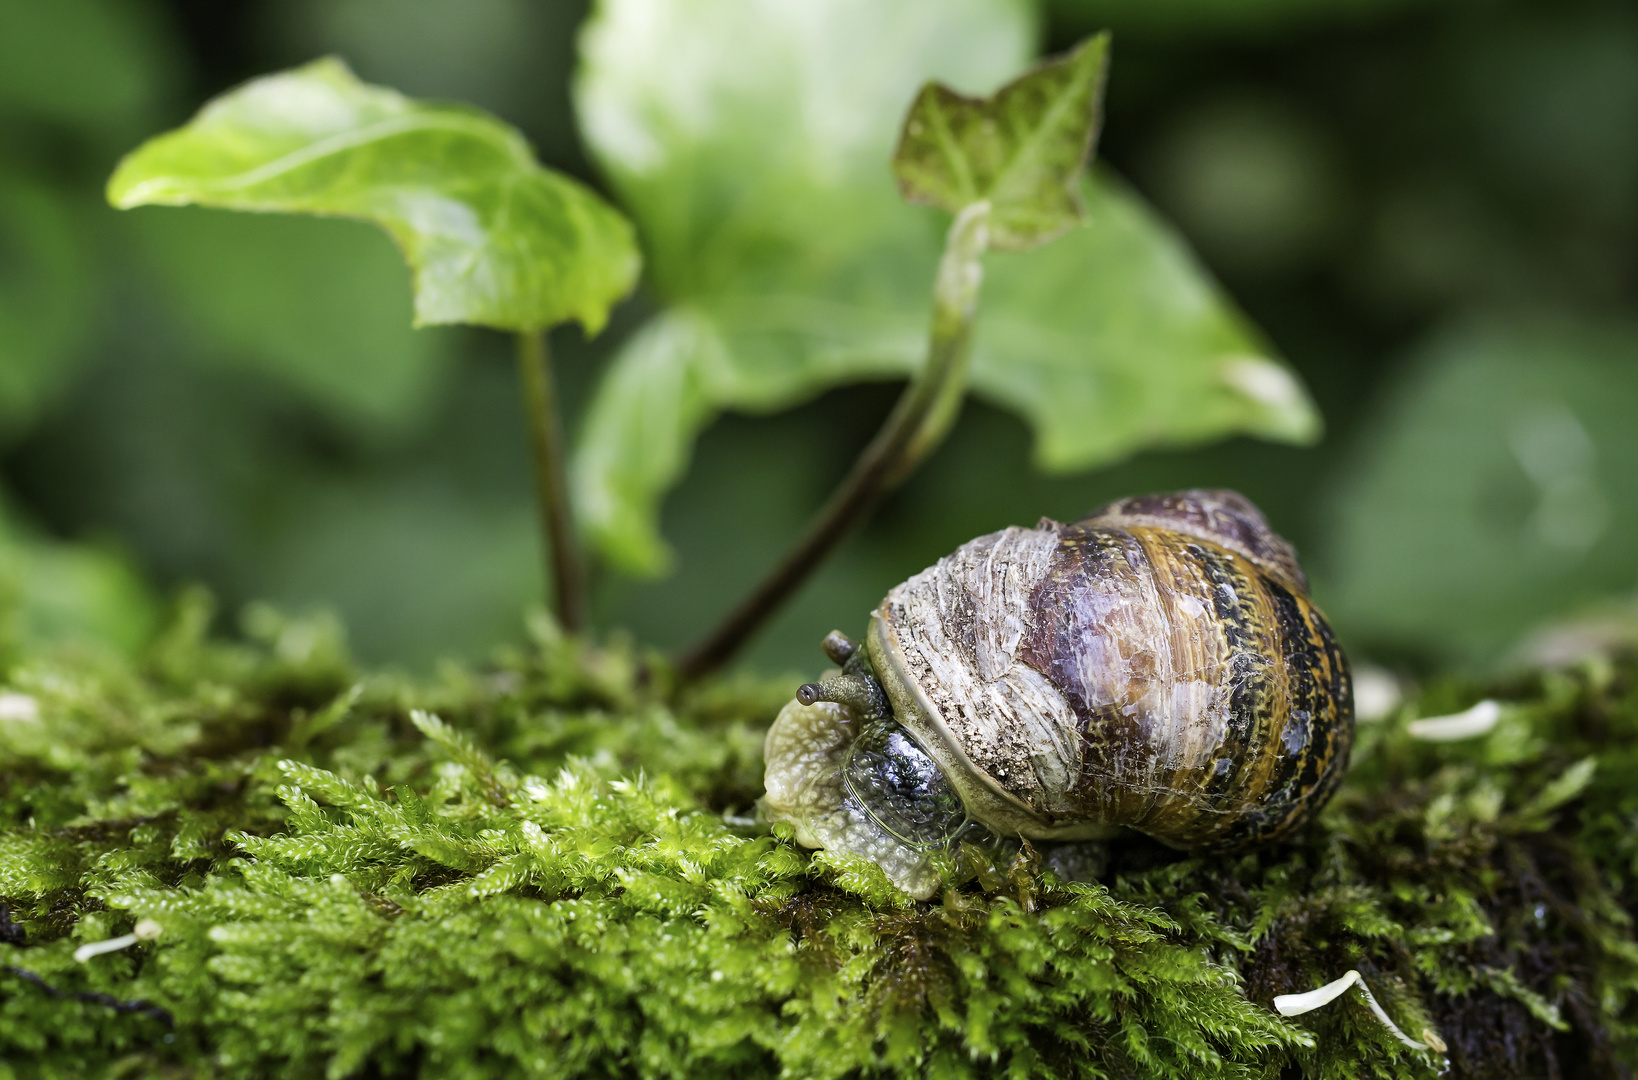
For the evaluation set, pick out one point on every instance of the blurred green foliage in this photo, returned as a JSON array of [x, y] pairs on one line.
[[1372, 180], [790, 264], [234, 283], [1500, 490]]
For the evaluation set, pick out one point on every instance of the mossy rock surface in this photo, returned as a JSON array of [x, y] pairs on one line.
[[534, 869]]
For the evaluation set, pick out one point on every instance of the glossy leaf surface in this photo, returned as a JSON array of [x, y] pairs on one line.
[[1022, 149], [757, 165], [491, 237]]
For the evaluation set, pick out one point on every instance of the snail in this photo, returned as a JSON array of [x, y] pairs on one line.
[[1155, 666]]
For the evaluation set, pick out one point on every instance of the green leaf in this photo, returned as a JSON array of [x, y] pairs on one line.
[[1110, 339], [1023, 148], [754, 162], [1114, 337], [491, 237], [751, 141], [1492, 490], [751, 145]]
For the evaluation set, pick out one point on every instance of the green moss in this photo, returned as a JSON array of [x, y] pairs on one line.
[[531, 869]]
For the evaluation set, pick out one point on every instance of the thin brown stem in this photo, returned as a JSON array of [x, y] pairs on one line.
[[919, 421], [562, 553]]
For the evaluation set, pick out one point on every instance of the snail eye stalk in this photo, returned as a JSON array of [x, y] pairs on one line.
[[858, 691], [903, 789]]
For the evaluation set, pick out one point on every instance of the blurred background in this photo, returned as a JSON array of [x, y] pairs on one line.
[[1429, 206]]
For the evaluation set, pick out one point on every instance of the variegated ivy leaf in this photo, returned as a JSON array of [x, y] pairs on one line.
[[492, 237], [1022, 149], [752, 145]]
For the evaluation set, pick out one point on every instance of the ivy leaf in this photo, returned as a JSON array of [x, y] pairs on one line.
[[1023, 148], [752, 140], [1114, 337], [491, 237], [751, 144], [1109, 339], [755, 164]]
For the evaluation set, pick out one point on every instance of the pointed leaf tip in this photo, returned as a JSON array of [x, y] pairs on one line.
[[1024, 148], [492, 237]]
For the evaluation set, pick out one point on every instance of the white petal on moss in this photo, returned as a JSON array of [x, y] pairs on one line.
[[1478, 720], [19, 707], [146, 930], [1376, 693], [1297, 1004]]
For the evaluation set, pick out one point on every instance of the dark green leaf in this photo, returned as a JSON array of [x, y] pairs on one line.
[[1493, 491], [1022, 149], [491, 236]]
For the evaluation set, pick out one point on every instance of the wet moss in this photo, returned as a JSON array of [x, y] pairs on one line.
[[540, 867]]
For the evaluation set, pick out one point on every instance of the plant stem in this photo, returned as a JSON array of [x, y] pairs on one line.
[[562, 554], [918, 423]]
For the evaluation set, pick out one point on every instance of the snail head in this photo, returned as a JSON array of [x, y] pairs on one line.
[[851, 778]]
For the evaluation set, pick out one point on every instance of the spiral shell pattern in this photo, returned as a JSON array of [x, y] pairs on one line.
[[1157, 665]]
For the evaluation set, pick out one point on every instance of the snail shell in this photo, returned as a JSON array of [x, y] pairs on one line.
[[1157, 666]]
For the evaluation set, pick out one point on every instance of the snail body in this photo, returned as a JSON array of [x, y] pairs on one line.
[[1156, 666]]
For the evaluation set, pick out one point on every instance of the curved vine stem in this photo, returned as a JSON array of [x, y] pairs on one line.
[[562, 553], [917, 424]]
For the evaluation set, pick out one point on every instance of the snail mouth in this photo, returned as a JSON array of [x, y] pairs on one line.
[[862, 788]]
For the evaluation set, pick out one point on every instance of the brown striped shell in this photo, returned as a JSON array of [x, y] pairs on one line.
[[1157, 665]]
